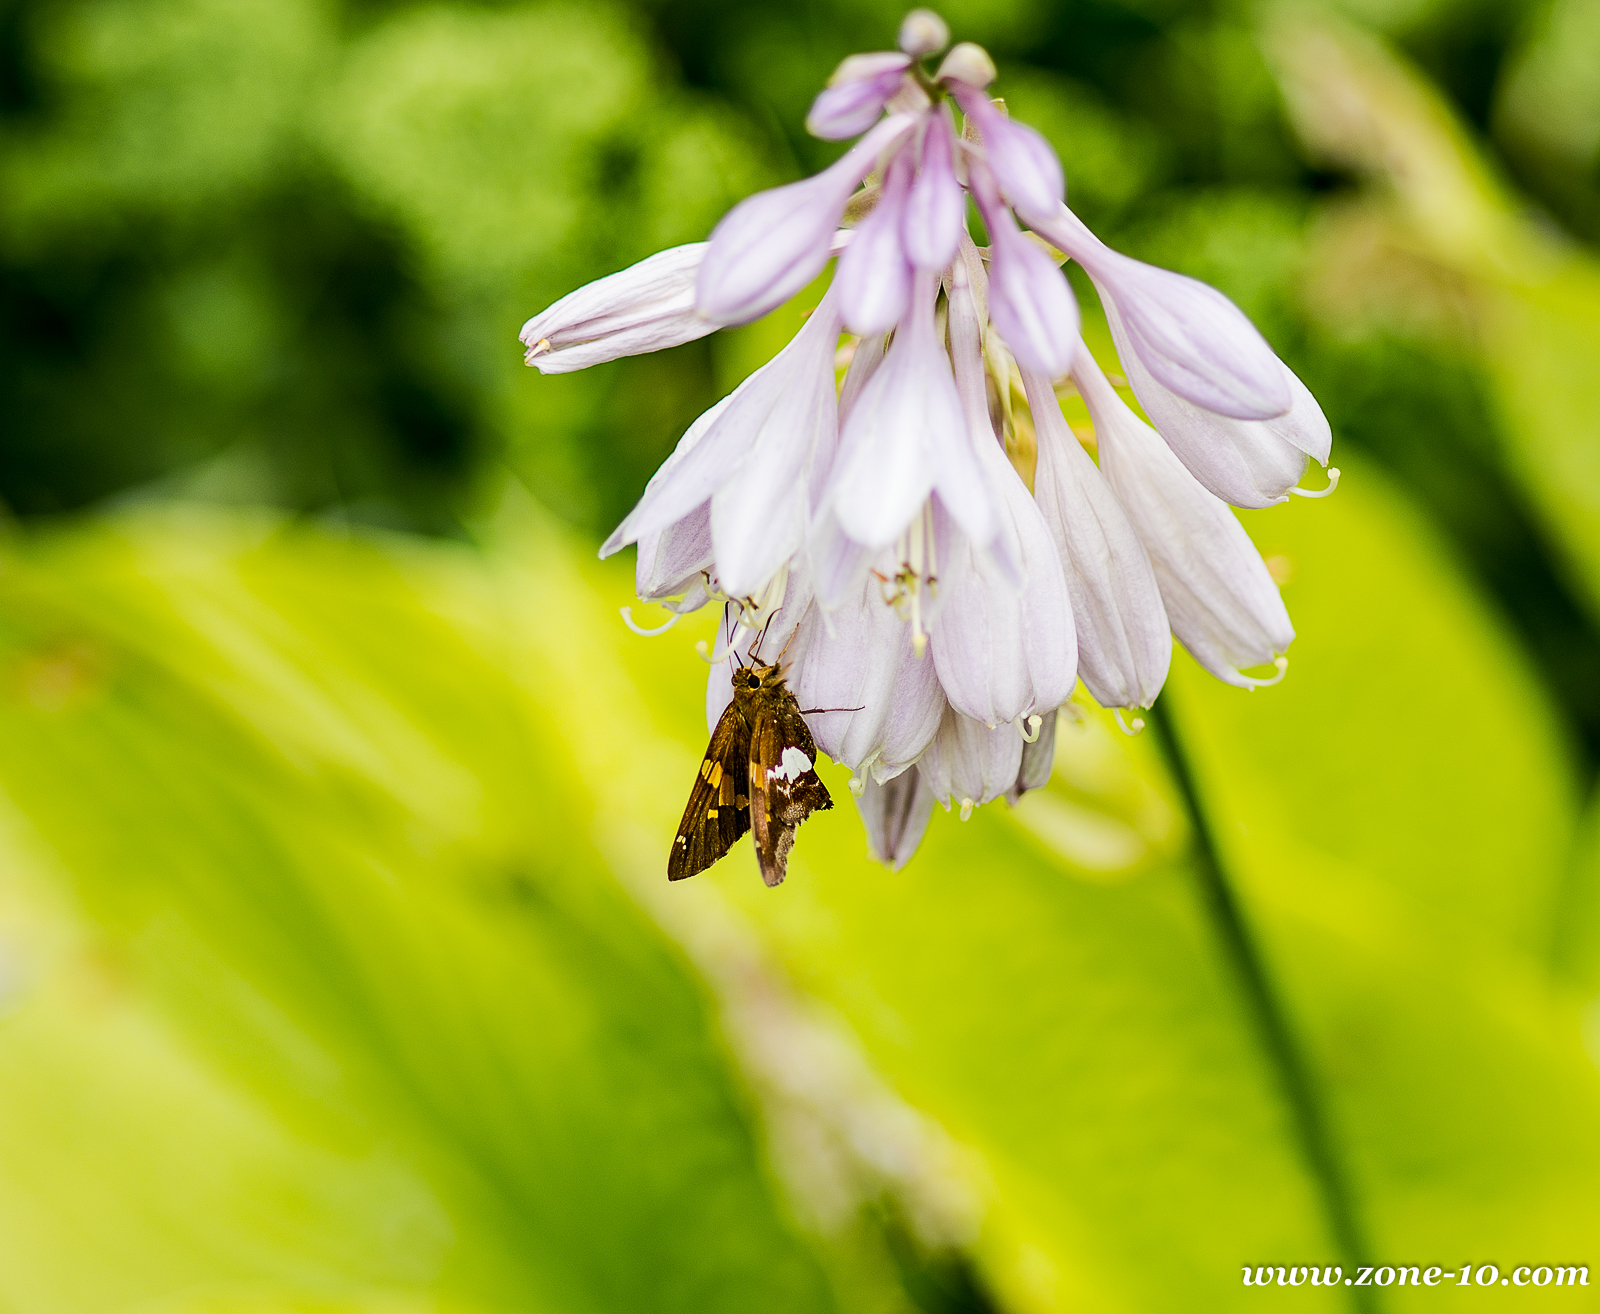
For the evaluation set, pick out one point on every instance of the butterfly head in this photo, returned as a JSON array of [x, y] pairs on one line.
[[754, 680]]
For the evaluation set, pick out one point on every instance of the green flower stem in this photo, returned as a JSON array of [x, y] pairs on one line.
[[1276, 1033]]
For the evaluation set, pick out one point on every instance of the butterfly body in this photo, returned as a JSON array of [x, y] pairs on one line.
[[759, 774]]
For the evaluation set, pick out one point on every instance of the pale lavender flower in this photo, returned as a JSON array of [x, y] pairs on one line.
[[1191, 338], [859, 657], [1222, 603], [647, 307], [970, 764], [1124, 644], [932, 615], [896, 815], [935, 210], [753, 458], [1023, 163], [1002, 652], [772, 244], [1029, 300], [874, 276], [1234, 413], [906, 439], [856, 94]]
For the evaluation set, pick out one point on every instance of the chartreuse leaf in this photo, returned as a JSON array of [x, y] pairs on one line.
[[1398, 817], [1085, 1041], [314, 996]]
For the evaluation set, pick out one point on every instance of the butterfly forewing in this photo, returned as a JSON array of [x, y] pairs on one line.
[[719, 804], [784, 786]]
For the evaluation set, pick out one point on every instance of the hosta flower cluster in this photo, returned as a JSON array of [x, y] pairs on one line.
[[873, 531]]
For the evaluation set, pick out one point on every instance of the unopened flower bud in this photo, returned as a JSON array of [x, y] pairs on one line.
[[968, 63], [923, 33]]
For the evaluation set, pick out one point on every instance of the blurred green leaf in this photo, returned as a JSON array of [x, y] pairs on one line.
[[315, 996], [1453, 234], [169, 106], [1398, 817], [1401, 856]]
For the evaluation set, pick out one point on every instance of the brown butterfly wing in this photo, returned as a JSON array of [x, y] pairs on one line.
[[784, 786], [719, 804]]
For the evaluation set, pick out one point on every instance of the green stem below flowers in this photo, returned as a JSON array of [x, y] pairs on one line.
[[1271, 1018]]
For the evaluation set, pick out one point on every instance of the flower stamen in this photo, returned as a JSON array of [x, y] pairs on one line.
[[1333, 482], [1282, 663], [1138, 723], [1034, 722], [641, 631]]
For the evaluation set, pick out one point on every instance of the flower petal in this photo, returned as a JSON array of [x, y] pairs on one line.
[[1002, 652], [1024, 165], [1189, 336], [969, 763], [935, 209], [1250, 463], [906, 418], [646, 307], [1222, 603], [1124, 644], [772, 244], [672, 559], [855, 95], [859, 659], [874, 279], [896, 815], [1030, 301], [760, 513], [1003, 647]]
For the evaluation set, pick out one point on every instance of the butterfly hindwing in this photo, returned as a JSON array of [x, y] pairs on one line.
[[719, 804], [784, 786]]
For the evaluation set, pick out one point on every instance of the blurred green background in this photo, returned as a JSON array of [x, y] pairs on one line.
[[337, 967]]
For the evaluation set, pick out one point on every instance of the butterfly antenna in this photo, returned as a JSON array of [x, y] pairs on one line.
[[786, 644], [732, 629], [761, 638]]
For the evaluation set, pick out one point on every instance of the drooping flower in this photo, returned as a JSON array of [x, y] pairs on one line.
[[647, 307], [969, 764], [1124, 643], [905, 439], [1222, 603], [896, 815], [771, 245], [1003, 651], [751, 463], [1234, 413], [1029, 301]]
